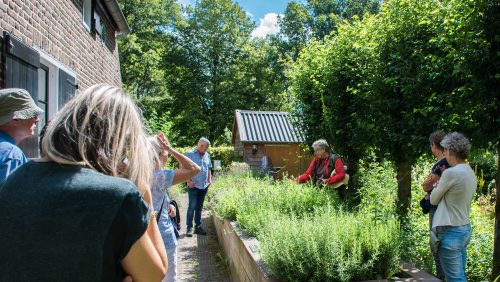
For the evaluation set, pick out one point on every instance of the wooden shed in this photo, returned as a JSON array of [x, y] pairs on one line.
[[266, 133]]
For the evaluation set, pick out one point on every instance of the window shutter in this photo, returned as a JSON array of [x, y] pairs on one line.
[[21, 71], [21, 66], [67, 87]]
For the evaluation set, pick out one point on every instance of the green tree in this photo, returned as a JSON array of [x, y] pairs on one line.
[[218, 68], [391, 79], [295, 27], [142, 50], [142, 55]]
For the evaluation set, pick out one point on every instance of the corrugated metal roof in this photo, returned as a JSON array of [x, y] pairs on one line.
[[267, 127]]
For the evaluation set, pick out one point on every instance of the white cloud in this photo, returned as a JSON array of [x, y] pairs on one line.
[[268, 25], [185, 2], [250, 15]]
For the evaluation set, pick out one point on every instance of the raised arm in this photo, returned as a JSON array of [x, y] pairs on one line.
[[187, 168]]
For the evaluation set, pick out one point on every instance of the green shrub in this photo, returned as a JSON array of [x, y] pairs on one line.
[[331, 246], [250, 201], [304, 236], [378, 193], [378, 189], [484, 163]]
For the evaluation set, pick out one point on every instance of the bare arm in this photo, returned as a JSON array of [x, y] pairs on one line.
[[143, 262], [154, 234], [187, 168], [429, 182]]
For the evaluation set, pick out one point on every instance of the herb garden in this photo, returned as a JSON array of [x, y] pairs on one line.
[[309, 234]]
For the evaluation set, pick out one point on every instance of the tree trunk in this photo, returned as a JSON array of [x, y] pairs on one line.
[[496, 246], [352, 169], [404, 187]]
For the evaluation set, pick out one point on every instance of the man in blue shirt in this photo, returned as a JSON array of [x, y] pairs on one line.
[[198, 186], [18, 119]]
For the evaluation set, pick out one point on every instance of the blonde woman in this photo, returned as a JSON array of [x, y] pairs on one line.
[[83, 213]]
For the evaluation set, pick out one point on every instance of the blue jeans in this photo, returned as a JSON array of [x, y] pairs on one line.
[[172, 265], [196, 198], [453, 241]]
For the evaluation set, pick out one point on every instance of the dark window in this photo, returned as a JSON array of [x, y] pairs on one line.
[[67, 87]]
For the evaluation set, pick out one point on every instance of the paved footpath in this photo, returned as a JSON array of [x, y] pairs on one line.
[[199, 257]]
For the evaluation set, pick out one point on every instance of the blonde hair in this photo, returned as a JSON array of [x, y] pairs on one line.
[[102, 129]]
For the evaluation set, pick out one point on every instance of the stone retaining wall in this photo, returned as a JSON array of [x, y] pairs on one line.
[[245, 263]]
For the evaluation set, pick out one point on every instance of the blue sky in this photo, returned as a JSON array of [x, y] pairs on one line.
[[263, 12]]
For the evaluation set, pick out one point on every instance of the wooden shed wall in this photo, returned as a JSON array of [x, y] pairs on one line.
[[290, 157]]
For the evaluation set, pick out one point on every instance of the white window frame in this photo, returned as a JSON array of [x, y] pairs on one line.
[[53, 84], [87, 4]]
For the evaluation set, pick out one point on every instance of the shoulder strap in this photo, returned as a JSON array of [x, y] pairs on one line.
[[331, 163], [161, 208]]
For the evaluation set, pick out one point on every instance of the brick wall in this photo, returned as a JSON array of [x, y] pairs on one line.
[[55, 26]]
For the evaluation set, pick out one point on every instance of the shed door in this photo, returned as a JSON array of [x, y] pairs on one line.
[[279, 154]]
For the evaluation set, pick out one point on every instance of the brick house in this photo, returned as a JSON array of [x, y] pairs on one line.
[[53, 48]]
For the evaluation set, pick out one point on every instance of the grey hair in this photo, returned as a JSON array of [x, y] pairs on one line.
[[458, 144], [156, 148], [321, 144], [204, 140], [153, 141]]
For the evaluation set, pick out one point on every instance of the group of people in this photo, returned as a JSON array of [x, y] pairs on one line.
[[449, 188], [95, 206]]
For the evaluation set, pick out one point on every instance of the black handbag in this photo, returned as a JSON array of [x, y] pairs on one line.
[[425, 205], [176, 220]]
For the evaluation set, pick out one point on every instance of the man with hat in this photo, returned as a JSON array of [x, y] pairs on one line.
[[18, 119]]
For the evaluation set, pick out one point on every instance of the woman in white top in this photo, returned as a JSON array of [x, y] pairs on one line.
[[453, 195]]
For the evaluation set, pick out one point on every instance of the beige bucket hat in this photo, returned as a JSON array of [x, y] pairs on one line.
[[16, 103]]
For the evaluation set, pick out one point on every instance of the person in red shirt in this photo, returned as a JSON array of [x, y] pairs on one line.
[[326, 168]]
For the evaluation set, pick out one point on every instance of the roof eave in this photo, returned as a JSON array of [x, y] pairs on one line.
[[270, 142], [118, 17]]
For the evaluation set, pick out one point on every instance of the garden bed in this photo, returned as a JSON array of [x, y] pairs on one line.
[[309, 234], [245, 263]]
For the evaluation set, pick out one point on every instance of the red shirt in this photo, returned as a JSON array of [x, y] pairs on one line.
[[339, 171]]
